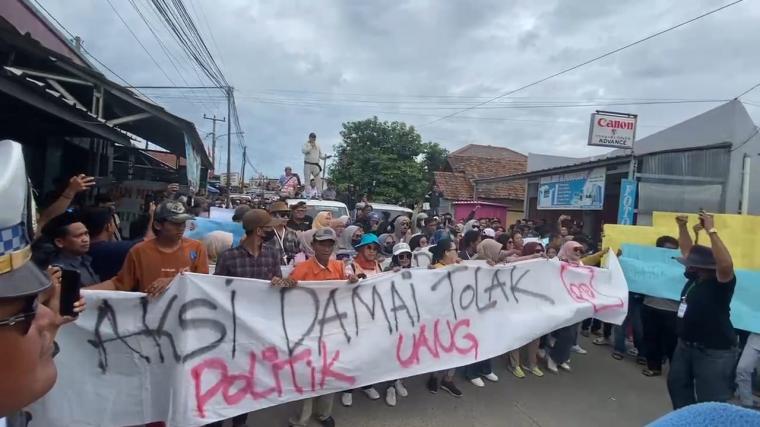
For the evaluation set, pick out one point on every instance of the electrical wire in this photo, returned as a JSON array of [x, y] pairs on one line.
[[748, 90], [589, 61]]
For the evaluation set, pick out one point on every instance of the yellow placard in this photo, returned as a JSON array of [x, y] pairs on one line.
[[736, 231]]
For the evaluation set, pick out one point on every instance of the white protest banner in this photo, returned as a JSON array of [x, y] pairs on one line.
[[213, 347]]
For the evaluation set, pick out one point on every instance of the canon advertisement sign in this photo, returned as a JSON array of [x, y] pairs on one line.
[[614, 130]]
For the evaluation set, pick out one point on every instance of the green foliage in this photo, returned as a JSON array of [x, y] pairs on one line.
[[386, 160]]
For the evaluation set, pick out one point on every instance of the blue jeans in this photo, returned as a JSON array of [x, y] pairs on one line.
[[699, 374], [634, 319]]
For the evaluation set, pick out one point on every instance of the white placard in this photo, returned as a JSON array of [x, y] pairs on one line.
[[213, 347]]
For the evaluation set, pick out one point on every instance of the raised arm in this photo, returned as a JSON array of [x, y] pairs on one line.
[[723, 262], [77, 184], [684, 238]]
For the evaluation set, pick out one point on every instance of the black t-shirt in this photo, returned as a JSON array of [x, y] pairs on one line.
[[707, 320], [303, 226], [108, 257]]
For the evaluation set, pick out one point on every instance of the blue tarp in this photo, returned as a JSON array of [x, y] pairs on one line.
[[653, 271]]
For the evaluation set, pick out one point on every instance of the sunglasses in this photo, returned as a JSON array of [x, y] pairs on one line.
[[404, 256], [281, 215], [25, 316], [578, 250]]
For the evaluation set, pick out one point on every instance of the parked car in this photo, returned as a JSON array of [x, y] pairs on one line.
[[313, 207]]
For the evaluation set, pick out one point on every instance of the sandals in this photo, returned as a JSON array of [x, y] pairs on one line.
[[617, 355], [650, 373]]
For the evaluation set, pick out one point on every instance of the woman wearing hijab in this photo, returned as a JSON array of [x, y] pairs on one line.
[[559, 355], [418, 223], [387, 242], [531, 349], [402, 229], [322, 220], [350, 237], [339, 224]]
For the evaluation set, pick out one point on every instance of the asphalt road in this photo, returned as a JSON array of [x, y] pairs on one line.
[[600, 391]]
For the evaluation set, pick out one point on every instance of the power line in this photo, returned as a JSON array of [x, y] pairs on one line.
[[748, 90], [575, 67], [123, 21]]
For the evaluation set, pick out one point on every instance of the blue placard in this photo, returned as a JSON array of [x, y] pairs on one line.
[[202, 226], [653, 271], [627, 201]]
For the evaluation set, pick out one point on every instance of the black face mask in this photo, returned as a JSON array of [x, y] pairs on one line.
[[691, 274], [268, 235], [388, 248]]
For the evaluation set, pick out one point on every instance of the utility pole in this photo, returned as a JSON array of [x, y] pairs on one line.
[[242, 171], [229, 143], [324, 168], [213, 137]]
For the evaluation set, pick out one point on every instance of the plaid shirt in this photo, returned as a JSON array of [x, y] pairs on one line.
[[289, 247], [239, 262]]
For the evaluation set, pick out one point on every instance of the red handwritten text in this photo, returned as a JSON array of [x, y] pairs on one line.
[[234, 387], [579, 284], [421, 341]]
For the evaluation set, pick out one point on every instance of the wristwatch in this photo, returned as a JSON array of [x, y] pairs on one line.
[[712, 230]]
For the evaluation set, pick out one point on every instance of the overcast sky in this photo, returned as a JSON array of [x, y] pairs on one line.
[[302, 66]]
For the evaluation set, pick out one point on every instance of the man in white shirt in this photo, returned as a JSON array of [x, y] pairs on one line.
[[312, 156]]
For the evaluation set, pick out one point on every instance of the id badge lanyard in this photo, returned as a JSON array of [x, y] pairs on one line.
[[682, 307]]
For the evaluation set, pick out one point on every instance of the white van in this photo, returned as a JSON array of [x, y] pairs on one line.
[[314, 206], [393, 210]]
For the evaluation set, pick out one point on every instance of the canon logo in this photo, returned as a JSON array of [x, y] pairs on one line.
[[615, 124]]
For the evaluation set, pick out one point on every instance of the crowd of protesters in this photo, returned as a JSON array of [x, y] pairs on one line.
[[693, 337]]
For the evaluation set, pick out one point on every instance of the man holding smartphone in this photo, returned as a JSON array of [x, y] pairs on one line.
[[72, 242]]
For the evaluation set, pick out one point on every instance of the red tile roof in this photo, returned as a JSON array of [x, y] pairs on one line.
[[455, 186], [484, 161]]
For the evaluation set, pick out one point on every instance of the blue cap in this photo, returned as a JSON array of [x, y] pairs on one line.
[[368, 239]]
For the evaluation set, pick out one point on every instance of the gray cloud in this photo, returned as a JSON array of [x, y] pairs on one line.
[[304, 66]]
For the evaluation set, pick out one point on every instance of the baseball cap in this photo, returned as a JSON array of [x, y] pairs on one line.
[[279, 206], [258, 218], [400, 248], [326, 233], [172, 211], [18, 276], [489, 232], [240, 212], [298, 205]]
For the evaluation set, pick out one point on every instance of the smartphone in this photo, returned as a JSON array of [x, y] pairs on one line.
[[70, 286]]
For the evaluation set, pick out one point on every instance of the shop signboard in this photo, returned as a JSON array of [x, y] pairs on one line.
[[627, 201], [613, 130], [573, 191]]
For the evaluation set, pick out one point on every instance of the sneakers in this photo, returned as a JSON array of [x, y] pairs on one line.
[[390, 396], [518, 372], [400, 389], [347, 398], [565, 366], [477, 382], [535, 371], [451, 388], [551, 366], [633, 352], [578, 349], [491, 377], [328, 422], [432, 384], [371, 393], [602, 341]]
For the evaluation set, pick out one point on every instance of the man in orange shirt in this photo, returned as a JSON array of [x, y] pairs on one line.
[[152, 265], [320, 267]]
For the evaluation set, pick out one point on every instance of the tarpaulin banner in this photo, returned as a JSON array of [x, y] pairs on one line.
[[213, 347], [653, 271]]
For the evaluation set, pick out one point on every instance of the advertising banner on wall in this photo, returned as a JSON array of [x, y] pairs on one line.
[[614, 130], [579, 190]]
